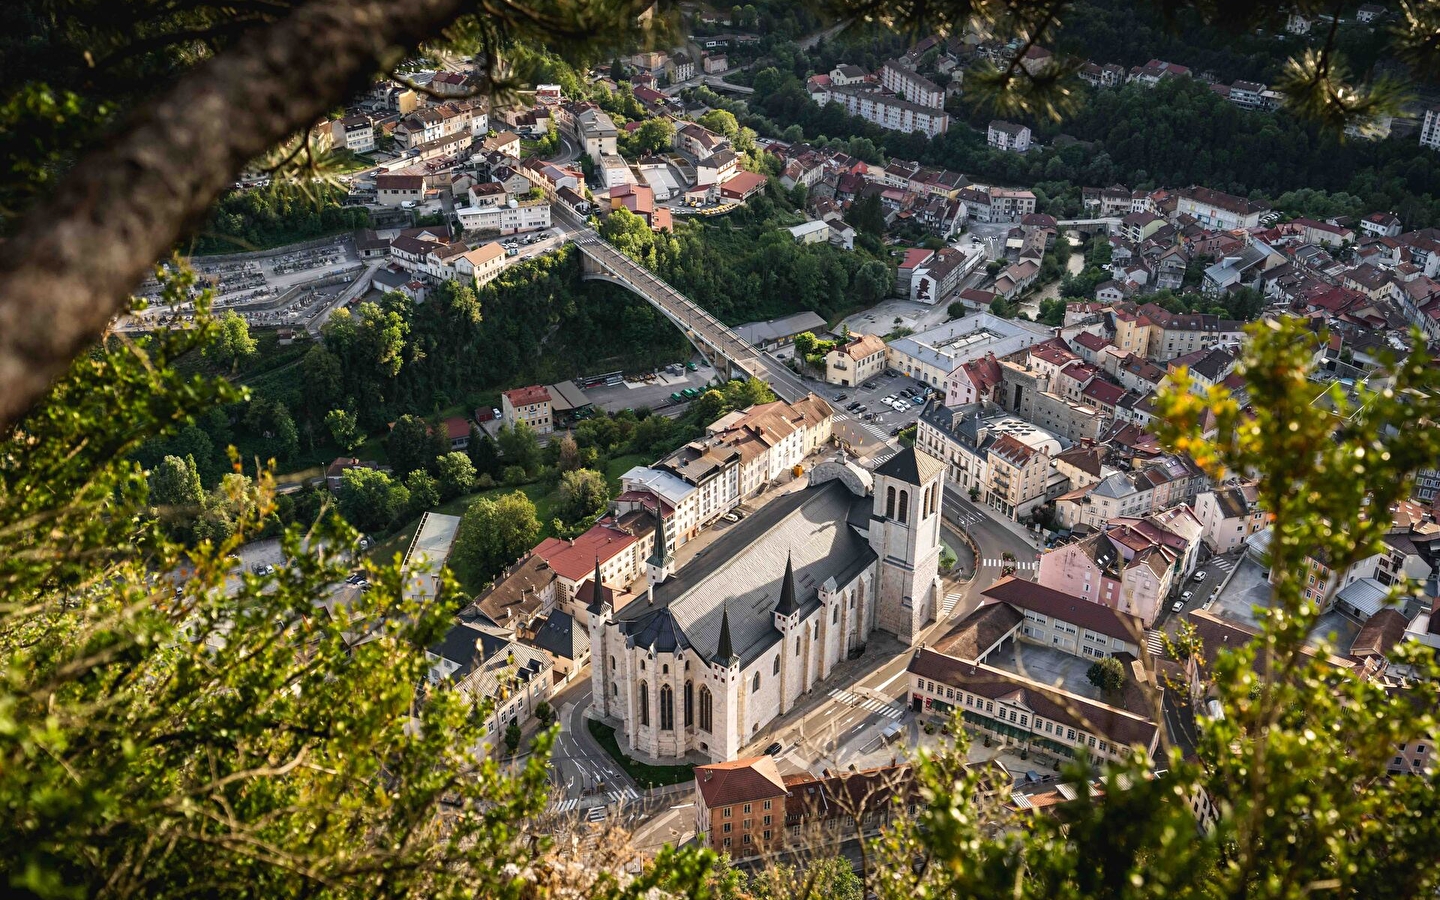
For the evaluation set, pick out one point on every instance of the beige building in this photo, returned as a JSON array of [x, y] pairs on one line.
[[860, 359], [530, 405]]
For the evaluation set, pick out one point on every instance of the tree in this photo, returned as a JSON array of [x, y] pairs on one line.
[[232, 344], [370, 501], [653, 136], [583, 494], [721, 122], [493, 533], [424, 491], [457, 474], [1107, 674], [483, 453], [957, 310], [520, 446], [767, 81], [867, 216], [412, 445], [344, 429], [176, 483], [1052, 312], [544, 713], [567, 454], [805, 343], [512, 736]]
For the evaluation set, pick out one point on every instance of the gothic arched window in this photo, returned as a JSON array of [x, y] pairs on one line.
[[904, 506], [706, 709], [667, 708], [890, 503], [644, 703], [689, 704]]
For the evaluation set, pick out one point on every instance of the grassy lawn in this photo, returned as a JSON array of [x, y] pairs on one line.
[[645, 776], [622, 464]]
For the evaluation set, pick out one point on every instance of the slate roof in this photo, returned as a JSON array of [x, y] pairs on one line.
[[560, 638], [1063, 606], [911, 466], [744, 569], [1053, 704]]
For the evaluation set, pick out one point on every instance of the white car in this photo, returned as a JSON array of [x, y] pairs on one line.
[[1200, 575], [1179, 605]]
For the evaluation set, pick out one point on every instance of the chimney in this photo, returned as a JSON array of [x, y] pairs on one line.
[[708, 773]]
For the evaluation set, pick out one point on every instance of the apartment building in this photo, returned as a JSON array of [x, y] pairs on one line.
[[1008, 136], [855, 362], [1218, 210], [510, 217], [739, 455], [740, 806], [1430, 128], [530, 405], [889, 112], [597, 133], [903, 81], [354, 133]]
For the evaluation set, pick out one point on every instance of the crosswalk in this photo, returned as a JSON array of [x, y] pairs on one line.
[[1020, 565], [1153, 643], [869, 704], [879, 458], [966, 519], [949, 605], [1223, 565], [612, 798], [880, 433]]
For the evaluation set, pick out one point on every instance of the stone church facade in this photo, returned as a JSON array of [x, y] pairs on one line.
[[712, 653]]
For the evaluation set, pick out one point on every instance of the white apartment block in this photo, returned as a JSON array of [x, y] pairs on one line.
[[911, 85], [507, 218], [891, 113], [1430, 129]]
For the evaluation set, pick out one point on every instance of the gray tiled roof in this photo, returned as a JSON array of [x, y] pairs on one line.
[[744, 568]]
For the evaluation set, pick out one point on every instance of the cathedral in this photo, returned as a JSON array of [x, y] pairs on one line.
[[708, 655]]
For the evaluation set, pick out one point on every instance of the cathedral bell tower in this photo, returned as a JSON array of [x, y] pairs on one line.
[[905, 534]]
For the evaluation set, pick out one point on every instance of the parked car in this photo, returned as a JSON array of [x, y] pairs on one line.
[[917, 401], [1185, 597], [1179, 605], [730, 517], [869, 385], [1200, 575], [853, 406], [773, 749], [861, 408], [896, 430], [675, 397], [840, 398]]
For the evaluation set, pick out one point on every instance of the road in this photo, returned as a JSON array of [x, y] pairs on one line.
[[583, 773]]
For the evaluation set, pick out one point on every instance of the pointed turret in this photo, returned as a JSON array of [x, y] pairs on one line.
[[724, 651], [787, 605], [660, 553]]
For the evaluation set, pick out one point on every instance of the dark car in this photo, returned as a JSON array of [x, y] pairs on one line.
[[853, 406], [841, 397], [862, 408], [896, 430], [869, 385], [773, 749]]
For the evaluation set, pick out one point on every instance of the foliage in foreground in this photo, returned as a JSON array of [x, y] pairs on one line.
[[170, 725], [1297, 764]]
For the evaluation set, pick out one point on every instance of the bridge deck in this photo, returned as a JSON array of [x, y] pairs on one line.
[[704, 330]]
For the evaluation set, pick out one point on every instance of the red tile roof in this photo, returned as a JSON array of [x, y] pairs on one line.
[[575, 560], [739, 781], [525, 396]]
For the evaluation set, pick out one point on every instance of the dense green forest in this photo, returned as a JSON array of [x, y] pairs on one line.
[[1115, 31], [262, 218], [744, 266]]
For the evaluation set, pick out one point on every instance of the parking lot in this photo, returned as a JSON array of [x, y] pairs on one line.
[[865, 406]]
